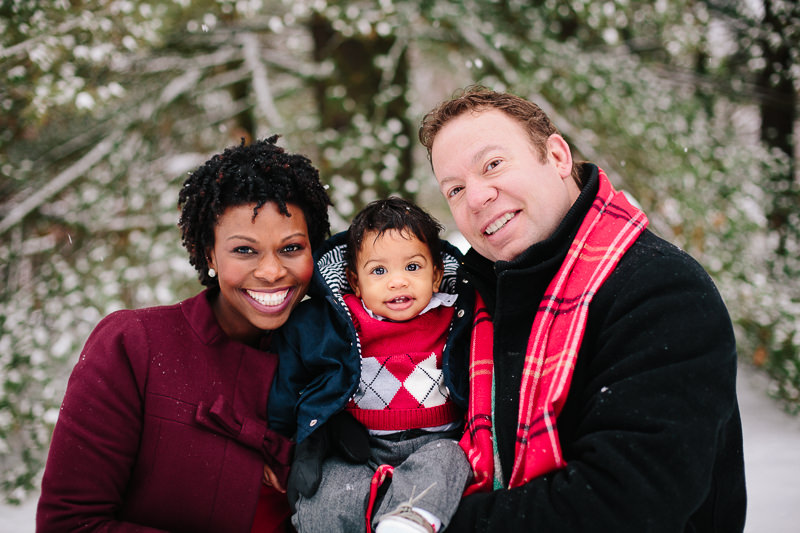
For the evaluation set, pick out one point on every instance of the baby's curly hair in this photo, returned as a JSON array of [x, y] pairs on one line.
[[257, 173], [397, 214]]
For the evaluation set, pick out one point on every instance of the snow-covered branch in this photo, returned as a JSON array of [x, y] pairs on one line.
[[264, 100], [57, 184], [25, 46]]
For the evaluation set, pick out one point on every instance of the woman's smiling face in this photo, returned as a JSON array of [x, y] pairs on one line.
[[263, 264]]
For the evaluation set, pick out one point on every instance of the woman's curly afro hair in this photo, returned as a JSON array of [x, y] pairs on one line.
[[248, 174]]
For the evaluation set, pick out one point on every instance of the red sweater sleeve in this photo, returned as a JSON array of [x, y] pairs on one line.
[[97, 435]]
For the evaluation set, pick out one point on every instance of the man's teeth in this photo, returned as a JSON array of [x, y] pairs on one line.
[[499, 223], [269, 298]]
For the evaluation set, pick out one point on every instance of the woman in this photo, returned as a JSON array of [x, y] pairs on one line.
[[163, 425]]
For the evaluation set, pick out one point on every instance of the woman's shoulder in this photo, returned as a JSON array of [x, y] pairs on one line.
[[153, 321], [123, 317], [138, 335]]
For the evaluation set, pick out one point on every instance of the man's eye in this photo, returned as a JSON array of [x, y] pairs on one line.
[[492, 164], [452, 192]]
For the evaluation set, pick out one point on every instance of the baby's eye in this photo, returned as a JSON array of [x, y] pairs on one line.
[[412, 267], [378, 271]]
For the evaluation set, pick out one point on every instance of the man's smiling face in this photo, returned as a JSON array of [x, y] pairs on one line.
[[503, 197]]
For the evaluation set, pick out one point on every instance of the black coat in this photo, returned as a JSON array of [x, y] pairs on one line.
[[651, 430]]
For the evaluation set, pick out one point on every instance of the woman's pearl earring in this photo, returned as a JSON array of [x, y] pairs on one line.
[[212, 273]]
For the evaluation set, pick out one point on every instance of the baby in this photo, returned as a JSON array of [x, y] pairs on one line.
[[375, 341]]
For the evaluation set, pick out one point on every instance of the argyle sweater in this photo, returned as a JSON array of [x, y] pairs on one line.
[[401, 384]]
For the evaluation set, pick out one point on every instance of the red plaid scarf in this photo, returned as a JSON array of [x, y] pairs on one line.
[[608, 230]]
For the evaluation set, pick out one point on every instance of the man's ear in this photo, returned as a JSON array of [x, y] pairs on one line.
[[559, 154], [352, 279], [438, 274]]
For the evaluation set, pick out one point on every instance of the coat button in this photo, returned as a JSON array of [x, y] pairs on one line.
[[460, 313], [313, 423]]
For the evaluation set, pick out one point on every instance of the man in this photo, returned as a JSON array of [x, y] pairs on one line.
[[602, 375]]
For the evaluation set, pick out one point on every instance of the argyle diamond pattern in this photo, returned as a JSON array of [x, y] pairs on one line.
[[405, 381]]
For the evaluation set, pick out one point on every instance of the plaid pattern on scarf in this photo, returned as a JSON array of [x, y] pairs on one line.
[[610, 227]]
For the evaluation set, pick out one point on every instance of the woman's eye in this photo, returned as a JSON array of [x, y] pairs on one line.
[[379, 271], [244, 250], [292, 248]]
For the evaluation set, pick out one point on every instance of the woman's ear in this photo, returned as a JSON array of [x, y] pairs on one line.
[[352, 279]]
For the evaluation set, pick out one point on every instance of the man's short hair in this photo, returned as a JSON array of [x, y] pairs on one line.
[[477, 98]]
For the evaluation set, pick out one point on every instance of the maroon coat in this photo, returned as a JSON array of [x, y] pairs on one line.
[[163, 428]]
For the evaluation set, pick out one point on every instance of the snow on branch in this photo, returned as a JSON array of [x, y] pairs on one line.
[[264, 99], [25, 47], [177, 86], [204, 61], [57, 184]]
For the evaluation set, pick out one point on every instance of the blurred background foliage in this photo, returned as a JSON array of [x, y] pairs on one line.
[[105, 105]]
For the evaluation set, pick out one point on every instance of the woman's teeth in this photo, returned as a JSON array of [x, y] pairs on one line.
[[269, 298], [499, 223]]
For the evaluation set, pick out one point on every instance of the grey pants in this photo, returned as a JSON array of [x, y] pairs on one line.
[[429, 460]]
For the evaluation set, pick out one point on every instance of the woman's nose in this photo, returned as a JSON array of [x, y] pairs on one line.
[[269, 268]]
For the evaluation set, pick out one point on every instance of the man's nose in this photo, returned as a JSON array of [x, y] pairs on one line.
[[480, 194]]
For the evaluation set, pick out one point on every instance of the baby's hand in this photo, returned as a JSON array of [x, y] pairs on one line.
[[271, 480]]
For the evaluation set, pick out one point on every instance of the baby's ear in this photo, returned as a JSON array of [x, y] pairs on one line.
[[438, 274], [352, 279]]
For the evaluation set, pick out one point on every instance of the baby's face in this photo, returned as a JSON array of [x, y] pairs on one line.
[[395, 274]]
